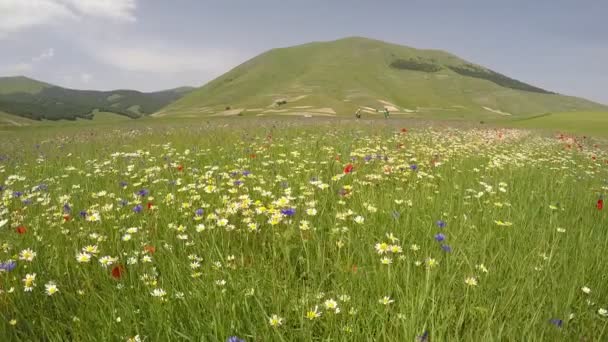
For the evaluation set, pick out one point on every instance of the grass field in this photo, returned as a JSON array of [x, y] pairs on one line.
[[589, 123], [300, 230]]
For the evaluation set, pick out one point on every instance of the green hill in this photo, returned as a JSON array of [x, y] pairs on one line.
[[336, 78], [36, 100]]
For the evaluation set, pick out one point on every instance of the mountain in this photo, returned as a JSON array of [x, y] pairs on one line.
[[37, 100], [337, 77]]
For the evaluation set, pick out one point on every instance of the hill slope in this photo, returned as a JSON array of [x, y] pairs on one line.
[[335, 78], [36, 100]]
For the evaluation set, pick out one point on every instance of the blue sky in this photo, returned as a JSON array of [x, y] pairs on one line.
[[156, 44]]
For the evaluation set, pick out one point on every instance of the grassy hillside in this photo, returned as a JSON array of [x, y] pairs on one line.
[[590, 123], [335, 78], [36, 100]]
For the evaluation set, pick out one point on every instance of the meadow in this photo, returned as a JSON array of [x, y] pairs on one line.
[[295, 230]]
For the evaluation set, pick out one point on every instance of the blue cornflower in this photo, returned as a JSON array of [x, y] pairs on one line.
[[288, 211], [446, 248], [233, 173], [238, 182], [8, 265], [199, 212], [143, 192], [17, 194], [367, 158], [234, 339], [138, 208], [424, 337], [67, 209], [83, 213], [414, 167], [441, 223], [439, 237], [27, 201], [123, 184], [246, 173], [557, 322]]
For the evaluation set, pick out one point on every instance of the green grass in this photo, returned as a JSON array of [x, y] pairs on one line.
[[20, 84], [589, 123], [358, 70], [552, 245]]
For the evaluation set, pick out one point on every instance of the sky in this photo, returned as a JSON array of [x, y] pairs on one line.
[[152, 45]]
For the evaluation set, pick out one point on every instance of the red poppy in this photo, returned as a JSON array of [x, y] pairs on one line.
[[355, 268], [118, 271], [338, 157], [66, 218], [252, 156], [600, 204], [149, 249], [21, 230], [180, 167], [150, 205], [593, 157], [348, 168], [404, 130]]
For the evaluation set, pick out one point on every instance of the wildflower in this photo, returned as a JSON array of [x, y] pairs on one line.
[[348, 168], [331, 304], [431, 263], [482, 268], [311, 211], [135, 338], [471, 281], [288, 211], [312, 314], [424, 337], [441, 224], [275, 321], [382, 248], [386, 300], [600, 204], [386, 261], [118, 271], [234, 339], [21, 230], [586, 290], [29, 282], [12, 322], [106, 261], [51, 288], [91, 249], [446, 248], [7, 266], [27, 255], [439, 237], [138, 208], [359, 219], [557, 322], [602, 312], [83, 257], [159, 293]]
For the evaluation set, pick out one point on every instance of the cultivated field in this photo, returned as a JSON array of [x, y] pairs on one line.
[[301, 230]]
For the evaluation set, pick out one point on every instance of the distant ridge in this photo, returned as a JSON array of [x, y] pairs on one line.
[[37, 100], [337, 77]]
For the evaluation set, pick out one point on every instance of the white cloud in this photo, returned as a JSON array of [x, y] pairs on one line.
[[117, 9], [86, 78], [49, 53], [17, 15], [165, 59], [16, 69], [26, 67]]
